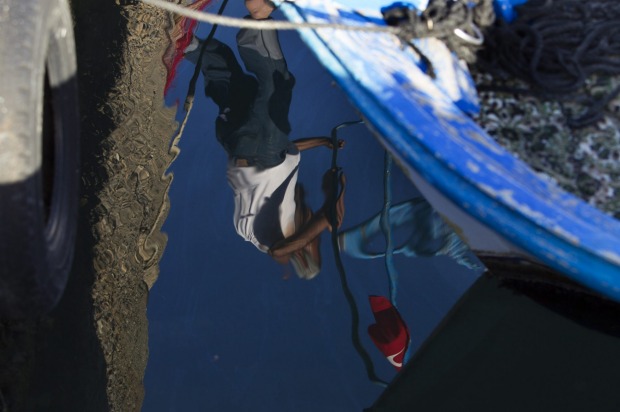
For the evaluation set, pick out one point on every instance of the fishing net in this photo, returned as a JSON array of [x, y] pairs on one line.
[[549, 87], [564, 50]]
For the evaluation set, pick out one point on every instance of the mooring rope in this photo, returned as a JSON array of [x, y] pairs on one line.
[[333, 218], [263, 24]]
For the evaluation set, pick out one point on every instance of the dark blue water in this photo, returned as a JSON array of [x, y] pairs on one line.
[[232, 330]]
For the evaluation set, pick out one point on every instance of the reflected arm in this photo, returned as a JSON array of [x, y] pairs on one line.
[[308, 227], [318, 222], [312, 142]]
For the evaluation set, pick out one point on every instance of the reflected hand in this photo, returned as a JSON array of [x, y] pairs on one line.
[[331, 145]]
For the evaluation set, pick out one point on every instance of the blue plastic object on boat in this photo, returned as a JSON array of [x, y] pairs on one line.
[[419, 5], [505, 9]]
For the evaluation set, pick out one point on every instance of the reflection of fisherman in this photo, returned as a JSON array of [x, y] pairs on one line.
[[428, 236], [253, 128]]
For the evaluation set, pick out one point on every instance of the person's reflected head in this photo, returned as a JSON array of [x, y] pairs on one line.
[[307, 261], [259, 9]]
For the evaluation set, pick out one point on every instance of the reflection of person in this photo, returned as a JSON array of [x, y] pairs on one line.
[[253, 127], [429, 235]]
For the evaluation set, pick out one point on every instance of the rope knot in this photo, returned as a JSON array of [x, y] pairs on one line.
[[455, 22]]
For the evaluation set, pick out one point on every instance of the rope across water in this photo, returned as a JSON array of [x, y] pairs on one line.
[[263, 24]]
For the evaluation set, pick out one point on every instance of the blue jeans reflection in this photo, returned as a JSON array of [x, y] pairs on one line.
[[428, 235]]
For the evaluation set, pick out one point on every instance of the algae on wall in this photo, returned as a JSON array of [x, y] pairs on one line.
[[126, 182]]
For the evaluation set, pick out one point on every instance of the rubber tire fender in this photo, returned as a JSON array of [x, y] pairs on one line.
[[37, 81]]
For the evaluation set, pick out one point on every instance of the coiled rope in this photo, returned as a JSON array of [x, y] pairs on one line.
[[458, 23], [453, 20], [558, 47]]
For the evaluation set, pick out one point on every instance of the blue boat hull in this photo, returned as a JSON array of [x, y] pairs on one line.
[[496, 202]]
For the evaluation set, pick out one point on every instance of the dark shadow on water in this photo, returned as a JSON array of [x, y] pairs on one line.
[[522, 338]]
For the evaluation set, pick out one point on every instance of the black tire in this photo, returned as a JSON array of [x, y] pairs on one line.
[[39, 154]]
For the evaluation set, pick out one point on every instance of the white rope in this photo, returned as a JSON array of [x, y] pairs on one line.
[[262, 24]]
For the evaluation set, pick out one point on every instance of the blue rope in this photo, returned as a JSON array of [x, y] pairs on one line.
[[387, 232], [387, 229]]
